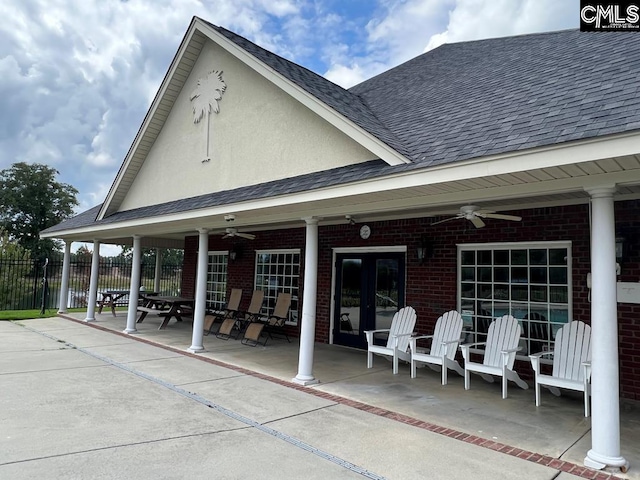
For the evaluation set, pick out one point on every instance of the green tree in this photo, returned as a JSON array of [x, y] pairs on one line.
[[16, 265], [170, 256], [82, 259], [31, 200]]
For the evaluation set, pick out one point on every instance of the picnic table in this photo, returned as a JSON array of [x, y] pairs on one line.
[[114, 298], [166, 307]]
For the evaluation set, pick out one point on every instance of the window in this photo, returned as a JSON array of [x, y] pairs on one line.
[[278, 271], [217, 280], [529, 281]]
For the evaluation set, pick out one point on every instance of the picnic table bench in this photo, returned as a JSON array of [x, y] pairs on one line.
[[118, 298], [166, 307]]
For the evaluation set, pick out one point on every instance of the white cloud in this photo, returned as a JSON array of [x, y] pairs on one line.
[[403, 29], [476, 19], [77, 76], [397, 32], [105, 249], [347, 76]]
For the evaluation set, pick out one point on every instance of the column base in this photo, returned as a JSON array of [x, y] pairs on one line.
[[195, 349], [61, 312], [130, 331], [305, 380], [598, 462], [88, 320]]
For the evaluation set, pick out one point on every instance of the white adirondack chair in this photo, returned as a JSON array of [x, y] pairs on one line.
[[499, 354], [571, 362], [444, 345], [398, 341]]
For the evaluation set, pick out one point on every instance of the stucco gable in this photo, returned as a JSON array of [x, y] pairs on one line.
[[368, 140], [260, 134]]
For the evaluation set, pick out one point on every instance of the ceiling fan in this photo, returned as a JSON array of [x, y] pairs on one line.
[[233, 232], [475, 215]]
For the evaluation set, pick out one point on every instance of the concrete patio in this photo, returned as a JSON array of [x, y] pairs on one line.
[[557, 429]]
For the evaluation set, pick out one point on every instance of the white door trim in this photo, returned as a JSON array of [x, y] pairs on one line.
[[336, 251]]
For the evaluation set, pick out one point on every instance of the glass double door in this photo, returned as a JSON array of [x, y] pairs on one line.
[[369, 291]]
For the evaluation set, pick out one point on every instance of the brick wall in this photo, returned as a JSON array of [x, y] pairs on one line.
[[240, 273], [431, 288], [628, 226]]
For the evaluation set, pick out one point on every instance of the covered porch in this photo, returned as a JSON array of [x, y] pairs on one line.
[[557, 429], [383, 160]]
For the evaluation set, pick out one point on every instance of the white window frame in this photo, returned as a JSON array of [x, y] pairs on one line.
[[468, 314], [217, 297], [287, 281]]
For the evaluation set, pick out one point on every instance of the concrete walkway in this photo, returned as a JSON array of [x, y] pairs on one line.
[[81, 402]]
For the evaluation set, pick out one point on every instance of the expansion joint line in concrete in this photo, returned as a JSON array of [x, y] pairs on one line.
[[546, 460]]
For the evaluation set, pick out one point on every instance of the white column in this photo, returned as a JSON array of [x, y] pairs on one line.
[[201, 292], [134, 286], [64, 285], [308, 325], [158, 273], [93, 283], [605, 388]]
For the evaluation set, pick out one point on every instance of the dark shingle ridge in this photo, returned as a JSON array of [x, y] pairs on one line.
[[486, 97], [341, 100]]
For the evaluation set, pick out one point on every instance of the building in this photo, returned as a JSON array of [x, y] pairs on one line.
[[346, 192]]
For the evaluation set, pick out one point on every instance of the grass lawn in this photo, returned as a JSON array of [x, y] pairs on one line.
[[26, 314]]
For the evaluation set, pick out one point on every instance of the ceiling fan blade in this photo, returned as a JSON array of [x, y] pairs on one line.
[[483, 212], [228, 235], [501, 216], [248, 236], [445, 220], [477, 222]]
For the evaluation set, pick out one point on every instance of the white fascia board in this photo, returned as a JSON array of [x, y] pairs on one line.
[[147, 119], [346, 126]]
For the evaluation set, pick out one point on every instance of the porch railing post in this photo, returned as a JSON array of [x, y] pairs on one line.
[[308, 325], [93, 283], [605, 387], [64, 281], [134, 286], [201, 292], [158, 272]]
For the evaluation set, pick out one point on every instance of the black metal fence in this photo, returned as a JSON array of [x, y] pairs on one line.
[[23, 281]]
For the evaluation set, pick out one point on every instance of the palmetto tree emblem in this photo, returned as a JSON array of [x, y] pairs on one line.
[[205, 98]]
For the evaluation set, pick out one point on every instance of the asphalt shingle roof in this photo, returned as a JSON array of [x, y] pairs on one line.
[[302, 183], [487, 97], [457, 102]]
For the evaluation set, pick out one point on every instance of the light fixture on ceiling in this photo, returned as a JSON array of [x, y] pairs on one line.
[[350, 219]]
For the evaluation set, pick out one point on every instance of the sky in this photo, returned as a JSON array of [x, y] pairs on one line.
[[78, 76]]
